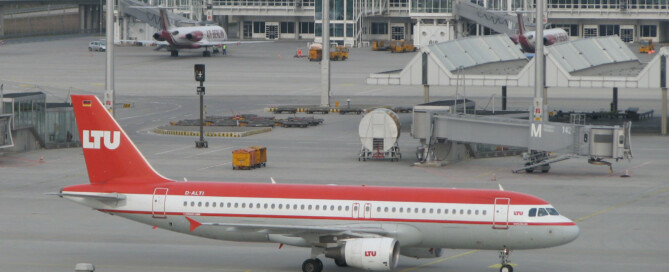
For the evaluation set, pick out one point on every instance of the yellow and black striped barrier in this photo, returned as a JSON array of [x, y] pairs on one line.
[[212, 133]]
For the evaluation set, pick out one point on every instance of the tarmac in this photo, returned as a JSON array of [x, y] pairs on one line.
[[623, 221]]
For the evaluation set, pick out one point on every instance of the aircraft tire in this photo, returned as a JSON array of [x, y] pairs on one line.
[[312, 265], [506, 268]]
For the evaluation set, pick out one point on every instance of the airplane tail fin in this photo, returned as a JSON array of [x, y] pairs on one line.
[[111, 157], [521, 25], [164, 19]]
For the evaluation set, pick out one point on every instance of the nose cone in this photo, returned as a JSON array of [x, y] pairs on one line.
[[565, 234]]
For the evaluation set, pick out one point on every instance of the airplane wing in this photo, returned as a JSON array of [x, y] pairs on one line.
[[298, 230]]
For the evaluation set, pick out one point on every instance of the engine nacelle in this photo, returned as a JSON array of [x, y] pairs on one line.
[[422, 252], [195, 36], [368, 253], [158, 37]]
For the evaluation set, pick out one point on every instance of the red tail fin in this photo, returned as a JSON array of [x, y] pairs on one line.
[[110, 155], [164, 19]]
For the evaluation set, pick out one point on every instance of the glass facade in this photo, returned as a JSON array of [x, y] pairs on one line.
[[431, 6], [53, 123]]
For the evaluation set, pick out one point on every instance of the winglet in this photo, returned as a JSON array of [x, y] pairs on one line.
[[193, 224], [500, 187], [272, 179]]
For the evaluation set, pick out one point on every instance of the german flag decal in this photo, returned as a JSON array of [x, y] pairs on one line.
[[86, 103]]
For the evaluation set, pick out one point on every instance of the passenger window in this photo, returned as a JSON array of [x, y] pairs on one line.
[[302, 207], [280, 206], [310, 207], [265, 205], [318, 207], [408, 210], [533, 212], [394, 209], [199, 204], [236, 205], [415, 210], [423, 210], [206, 204], [185, 203], [385, 209], [469, 212], [454, 211], [339, 208], [484, 212], [438, 211], [250, 205], [273, 206], [332, 207], [213, 204], [295, 207], [229, 204], [445, 211], [431, 210], [476, 212], [347, 208], [287, 206], [401, 210], [244, 205], [462, 211], [542, 212]]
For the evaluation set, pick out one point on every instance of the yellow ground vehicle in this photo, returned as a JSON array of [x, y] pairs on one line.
[[261, 155], [244, 158], [402, 46], [379, 45], [646, 46], [339, 53], [336, 52]]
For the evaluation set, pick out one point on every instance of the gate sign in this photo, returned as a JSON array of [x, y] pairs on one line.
[[537, 111]]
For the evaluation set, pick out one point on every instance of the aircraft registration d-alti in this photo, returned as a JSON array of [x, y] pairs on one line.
[[365, 227], [192, 37], [528, 40]]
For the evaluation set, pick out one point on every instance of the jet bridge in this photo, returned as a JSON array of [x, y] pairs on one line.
[[6, 140], [500, 21], [150, 14], [548, 142]]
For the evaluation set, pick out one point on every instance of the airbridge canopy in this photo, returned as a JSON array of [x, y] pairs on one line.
[[492, 61]]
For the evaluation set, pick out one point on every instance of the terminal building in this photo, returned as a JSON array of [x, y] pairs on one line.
[[357, 22]]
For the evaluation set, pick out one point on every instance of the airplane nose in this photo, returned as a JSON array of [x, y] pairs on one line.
[[570, 233]]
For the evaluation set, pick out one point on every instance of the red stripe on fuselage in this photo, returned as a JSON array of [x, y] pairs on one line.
[[399, 220], [325, 192]]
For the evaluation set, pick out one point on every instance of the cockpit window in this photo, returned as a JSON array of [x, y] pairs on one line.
[[533, 212], [552, 211], [542, 212]]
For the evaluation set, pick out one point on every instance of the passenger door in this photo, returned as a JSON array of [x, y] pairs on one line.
[[500, 218], [159, 200]]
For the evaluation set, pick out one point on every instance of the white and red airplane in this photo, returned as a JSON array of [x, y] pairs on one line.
[[366, 227], [191, 37], [528, 40]]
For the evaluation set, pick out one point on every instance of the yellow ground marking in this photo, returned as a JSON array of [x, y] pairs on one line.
[[440, 260], [97, 84]]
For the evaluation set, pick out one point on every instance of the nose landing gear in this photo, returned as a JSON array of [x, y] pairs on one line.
[[504, 258]]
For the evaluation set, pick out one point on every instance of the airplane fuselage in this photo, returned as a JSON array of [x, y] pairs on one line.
[[528, 41], [434, 218], [194, 37]]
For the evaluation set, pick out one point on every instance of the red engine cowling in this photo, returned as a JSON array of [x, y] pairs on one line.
[[422, 252], [195, 36], [368, 253], [158, 37]]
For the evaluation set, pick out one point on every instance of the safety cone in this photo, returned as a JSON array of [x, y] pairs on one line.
[[41, 159], [626, 175], [494, 177]]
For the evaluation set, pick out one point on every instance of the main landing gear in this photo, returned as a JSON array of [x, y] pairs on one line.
[[206, 53], [504, 258], [174, 53], [312, 265]]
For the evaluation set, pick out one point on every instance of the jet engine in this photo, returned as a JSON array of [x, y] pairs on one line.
[[367, 253], [158, 37], [195, 36], [422, 252]]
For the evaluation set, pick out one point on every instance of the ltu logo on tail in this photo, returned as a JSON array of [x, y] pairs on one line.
[[110, 142]]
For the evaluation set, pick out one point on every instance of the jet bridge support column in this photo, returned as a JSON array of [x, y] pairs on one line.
[[2, 24], [664, 111]]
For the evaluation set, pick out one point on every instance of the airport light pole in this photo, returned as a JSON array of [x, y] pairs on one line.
[[325, 56], [110, 95], [539, 71], [199, 76]]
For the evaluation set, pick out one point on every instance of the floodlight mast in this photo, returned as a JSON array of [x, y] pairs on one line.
[[540, 68], [110, 94], [325, 56]]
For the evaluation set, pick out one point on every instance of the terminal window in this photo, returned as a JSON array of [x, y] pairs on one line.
[[648, 31], [379, 28]]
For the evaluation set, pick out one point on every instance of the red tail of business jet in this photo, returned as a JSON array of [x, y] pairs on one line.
[[365, 227]]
